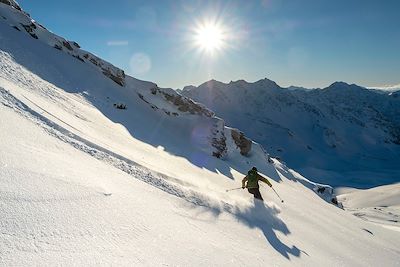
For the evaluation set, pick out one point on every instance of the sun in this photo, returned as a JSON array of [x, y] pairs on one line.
[[210, 37]]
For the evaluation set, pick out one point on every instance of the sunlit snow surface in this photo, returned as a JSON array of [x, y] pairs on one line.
[[83, 183]]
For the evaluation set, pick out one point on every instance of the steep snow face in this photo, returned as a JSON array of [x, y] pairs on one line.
[[170, 115], [210, 137], [11, 13], [341, 135], [85, 183], [96, 204], [91, 206], [92, 173]]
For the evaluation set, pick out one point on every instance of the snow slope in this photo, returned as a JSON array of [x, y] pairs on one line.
[[13, 15], [380, 204], [85, 183], [342, 135]]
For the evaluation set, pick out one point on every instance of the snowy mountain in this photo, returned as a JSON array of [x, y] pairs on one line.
[[343, 135], [94, 171]]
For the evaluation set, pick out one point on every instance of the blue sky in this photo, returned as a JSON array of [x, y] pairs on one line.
[[309, 43]]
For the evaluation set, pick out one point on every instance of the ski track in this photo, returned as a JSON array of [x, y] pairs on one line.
[[122, 163]]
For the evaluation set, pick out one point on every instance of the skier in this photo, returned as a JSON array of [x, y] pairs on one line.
[[252, 179]]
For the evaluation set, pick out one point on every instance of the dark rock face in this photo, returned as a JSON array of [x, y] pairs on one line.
[[184, 104], [30, 29], [241, 141], [67, 45], [220, 145], [11, 3], [119, 78], [218, 139], [216, 136], [115, 74], [76, 44], [120, 106]]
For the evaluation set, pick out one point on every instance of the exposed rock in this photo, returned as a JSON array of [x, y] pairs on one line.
[[218, 139], [142, 97], [93, 61], [11, 3], [119, 79], [75, 44], [183, 103], [40, 25], [120, 106], [30, 29], [67, 45], [115, 74], [38, 31], [216, 136], [241, 141], [78, 57]]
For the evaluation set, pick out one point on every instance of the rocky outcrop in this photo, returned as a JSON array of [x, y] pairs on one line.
[[242, 142], [11, 3], [174, 104], [326, 193], [118, 77], [218, 139], [182, 103], [30, 28]]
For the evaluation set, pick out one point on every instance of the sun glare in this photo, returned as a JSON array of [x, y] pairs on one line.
[[210, 37]]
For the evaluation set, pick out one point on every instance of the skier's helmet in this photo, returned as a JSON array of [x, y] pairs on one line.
[[254, 169]]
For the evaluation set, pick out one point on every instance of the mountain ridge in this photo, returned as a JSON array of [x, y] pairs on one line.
[[315, 122]]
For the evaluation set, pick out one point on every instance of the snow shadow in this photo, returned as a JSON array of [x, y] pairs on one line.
[[265, 218], [260, 216]]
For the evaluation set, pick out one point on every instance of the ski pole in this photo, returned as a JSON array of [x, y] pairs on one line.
[[233, 189], [277, 194]]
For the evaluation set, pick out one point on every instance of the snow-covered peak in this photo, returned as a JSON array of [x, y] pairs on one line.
[[267, 83], [14, 16], [328, 127], [344, 87]]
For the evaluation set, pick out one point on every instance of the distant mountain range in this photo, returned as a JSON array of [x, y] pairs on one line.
[[343, 134]]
